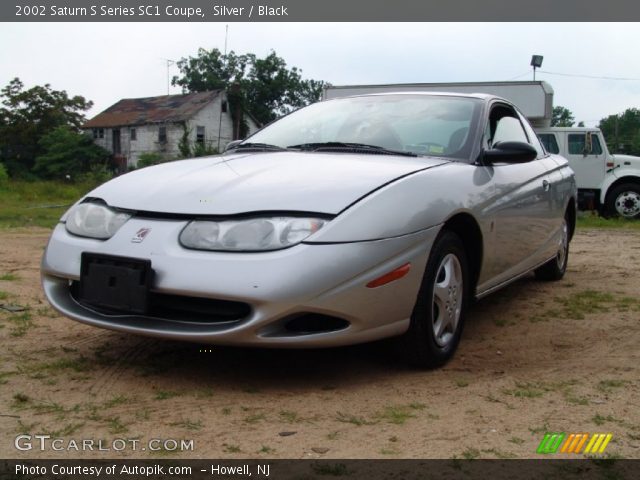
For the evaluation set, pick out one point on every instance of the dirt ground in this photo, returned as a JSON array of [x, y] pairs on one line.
[[535, 357]]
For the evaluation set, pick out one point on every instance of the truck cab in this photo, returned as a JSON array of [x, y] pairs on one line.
[[606, 182]]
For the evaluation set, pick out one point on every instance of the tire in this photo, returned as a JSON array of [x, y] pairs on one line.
[[437, 320], [624, 201], [555, 268]]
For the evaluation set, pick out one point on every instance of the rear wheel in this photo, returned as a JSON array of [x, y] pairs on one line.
[[624, 201], [555, 268], [438, 316]]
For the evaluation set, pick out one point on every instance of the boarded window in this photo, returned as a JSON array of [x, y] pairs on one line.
[[162, 135], [133, 134], [200, 134]]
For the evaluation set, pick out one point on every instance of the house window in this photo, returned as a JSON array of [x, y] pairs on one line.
[[133, 135], [98, 133], [224, 106], [162, 135], [200, 134]]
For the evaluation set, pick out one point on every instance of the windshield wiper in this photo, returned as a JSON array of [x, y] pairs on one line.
[[257, 147], [350, 147]]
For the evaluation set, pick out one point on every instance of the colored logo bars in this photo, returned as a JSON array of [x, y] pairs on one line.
[[574, 443]]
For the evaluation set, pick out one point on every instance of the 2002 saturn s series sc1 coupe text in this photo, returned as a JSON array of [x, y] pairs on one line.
[[346, 221]]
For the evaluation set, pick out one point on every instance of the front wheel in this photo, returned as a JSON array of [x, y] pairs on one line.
[[624, 201], [438, 316]]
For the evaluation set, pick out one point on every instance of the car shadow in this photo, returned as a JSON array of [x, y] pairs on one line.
[[263, 369]]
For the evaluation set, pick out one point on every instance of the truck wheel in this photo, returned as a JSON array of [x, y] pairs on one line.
[[438, 316], [555, 268], [624, 201]]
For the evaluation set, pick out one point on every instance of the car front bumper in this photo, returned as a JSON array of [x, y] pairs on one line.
[[324, 279]]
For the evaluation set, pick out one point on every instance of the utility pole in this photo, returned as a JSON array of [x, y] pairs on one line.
[[169, 63], [226, 35]]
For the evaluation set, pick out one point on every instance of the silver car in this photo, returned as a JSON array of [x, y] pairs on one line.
[[347, 221]]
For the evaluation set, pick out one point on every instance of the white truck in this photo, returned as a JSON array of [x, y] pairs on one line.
[[607, 183]]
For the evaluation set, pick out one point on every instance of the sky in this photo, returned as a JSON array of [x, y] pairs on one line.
[[105, 62]]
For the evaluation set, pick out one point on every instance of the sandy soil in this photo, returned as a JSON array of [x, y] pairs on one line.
[[535, 357]]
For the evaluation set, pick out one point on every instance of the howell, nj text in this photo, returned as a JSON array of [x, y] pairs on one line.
[[239, 470]]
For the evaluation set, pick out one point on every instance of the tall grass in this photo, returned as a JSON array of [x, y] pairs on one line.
[[588, 220], [37, 203]]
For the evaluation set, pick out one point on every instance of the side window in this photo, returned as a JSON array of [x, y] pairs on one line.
[[576, 143], [533, 138], [550, 143], [504, 126], [581, 143], [596, 148], [509, 129]]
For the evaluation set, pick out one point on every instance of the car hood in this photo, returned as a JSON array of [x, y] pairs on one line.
[[635, 161], [241, 183]]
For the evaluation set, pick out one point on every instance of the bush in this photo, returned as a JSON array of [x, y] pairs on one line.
[[202, 150], [98, 175], [67, 152], [4, 176], [150, 158]]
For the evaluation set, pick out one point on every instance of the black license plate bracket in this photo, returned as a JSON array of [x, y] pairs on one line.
[[115, 283]]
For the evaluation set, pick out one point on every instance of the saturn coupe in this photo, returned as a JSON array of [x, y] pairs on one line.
[[347, 221]]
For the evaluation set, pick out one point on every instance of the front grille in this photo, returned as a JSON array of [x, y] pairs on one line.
[[180, 308]]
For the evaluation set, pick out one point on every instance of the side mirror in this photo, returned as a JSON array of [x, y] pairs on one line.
[[509, 152], [588, 144], [232, 144]]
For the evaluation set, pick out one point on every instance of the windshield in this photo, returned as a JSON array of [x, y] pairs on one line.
[[422, 124]]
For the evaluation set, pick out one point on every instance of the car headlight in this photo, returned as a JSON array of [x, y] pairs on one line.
[[249, 235], [95, 220]]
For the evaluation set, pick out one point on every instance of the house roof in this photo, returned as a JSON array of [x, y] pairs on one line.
[[141, 111]]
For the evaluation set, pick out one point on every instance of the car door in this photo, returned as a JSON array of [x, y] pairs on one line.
[[554, 184], [586, 157], [520, 206]]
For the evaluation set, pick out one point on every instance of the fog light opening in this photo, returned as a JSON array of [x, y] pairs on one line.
[[315, 323]]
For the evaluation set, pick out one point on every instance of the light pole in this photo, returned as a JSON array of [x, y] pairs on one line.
[[536, 62]]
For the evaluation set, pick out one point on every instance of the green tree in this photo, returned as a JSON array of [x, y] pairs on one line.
[[562, 117], [67, 152], [622, 131], [265, 87], [27, 115]]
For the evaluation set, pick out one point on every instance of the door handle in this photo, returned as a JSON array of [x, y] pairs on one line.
[[545, 185]]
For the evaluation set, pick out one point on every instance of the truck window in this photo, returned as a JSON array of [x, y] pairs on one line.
[[577, 144], [550, 143]]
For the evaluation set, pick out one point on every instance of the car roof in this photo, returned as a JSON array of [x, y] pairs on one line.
[[568, 129], [481, 96]]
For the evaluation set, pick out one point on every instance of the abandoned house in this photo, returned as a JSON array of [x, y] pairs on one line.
[[134, 126]]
